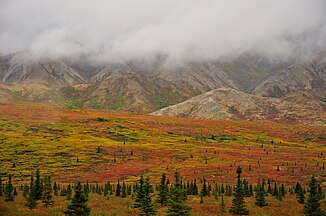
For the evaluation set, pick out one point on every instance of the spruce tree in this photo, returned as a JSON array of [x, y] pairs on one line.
[[118, 190], [144, 200], [260, 197], [69, 192], [9, 189], [238, 203], [222, 205], [55, 189], [38, 185], [31, 201], [177, 199], [204, 191], [78, 206], [312, 205], [124, 190], [47, 192], [300, 194], [163, 191]]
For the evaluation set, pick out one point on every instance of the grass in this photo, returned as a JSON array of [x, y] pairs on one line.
[[51, 138]]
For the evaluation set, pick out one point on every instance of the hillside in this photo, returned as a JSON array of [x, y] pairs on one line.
[[226, 103], [101, 146]]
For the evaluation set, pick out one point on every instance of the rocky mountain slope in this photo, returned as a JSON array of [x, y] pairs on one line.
[[147, 85], [226, 103]]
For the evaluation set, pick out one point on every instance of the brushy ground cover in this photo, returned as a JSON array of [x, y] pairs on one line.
[[101, 146]]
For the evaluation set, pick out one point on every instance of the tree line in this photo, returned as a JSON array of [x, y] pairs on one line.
[[165, 193]]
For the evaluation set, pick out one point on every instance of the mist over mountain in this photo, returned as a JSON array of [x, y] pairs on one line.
[[107, 30], [143, 56]]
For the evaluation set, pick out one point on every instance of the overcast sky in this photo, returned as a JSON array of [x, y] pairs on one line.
[[120, 29]]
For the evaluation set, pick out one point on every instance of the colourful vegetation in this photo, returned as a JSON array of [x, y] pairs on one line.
[[101, 146]]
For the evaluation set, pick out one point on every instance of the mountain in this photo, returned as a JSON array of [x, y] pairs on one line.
[[227, 103], [150, 84], [21, 69], [302, 75]]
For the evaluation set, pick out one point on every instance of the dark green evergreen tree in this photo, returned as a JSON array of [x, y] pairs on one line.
[[144, 200], [177, 199], [15, 191], [238, 203], [204, 191], [69, 192], [9, 190], [124, 190], [31, 201], [300, 194], [55, 189], [118, 190], [78, 206], [222, 205], [38, 186], [163, 191], [47, 197], [312, 205], [260, 197]]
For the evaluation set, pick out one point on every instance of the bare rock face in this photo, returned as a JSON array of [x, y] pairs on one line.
[[304, 75], [226, 103], [248, 87]]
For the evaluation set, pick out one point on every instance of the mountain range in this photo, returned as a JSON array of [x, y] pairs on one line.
[[247, 87]]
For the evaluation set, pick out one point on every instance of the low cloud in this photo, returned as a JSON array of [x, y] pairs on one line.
[[109, 30]]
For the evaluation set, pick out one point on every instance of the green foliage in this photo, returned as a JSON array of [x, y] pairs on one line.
[[38, 186], [9, 189], [96, 104], [177, 200], [124, 191], [47, 192], [299, 193], [78, 206], [144, 200], [118, 190], [260, 197], [238, 203], [222, 205], [73, 103], [31, 202], [163, 191], [118, 103], [162, 102], [312, 205]]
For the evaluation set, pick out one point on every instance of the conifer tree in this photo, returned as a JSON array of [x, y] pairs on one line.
[[222, 205], [15, 191], [47, 192], [124, 190], [69, 192], [25, 191], [144, 200], [177, 200], [260, 197], [118, 190], [300, 194], [31, 201], [55, 189], [312, 205], [78, 205], [38, 186], [9, 195], [238, 203], [163, 191], [195, 189], [204, 191]]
